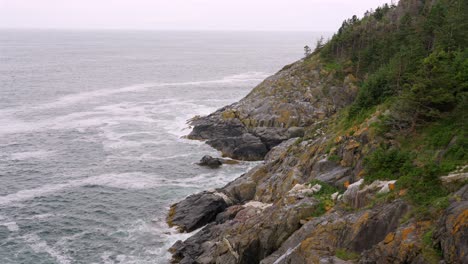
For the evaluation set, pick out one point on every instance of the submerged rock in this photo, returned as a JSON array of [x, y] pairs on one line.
[[210, 162]]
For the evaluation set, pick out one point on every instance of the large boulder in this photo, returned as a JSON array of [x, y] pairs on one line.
[[197, 210]]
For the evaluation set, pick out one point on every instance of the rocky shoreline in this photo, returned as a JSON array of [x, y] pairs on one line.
[[307, 202]]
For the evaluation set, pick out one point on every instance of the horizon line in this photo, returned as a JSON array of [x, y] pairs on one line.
[[163, 30]]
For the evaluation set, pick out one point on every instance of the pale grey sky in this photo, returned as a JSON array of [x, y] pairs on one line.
[[308, 15]]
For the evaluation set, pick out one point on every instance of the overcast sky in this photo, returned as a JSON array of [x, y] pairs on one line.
[[304, 15]]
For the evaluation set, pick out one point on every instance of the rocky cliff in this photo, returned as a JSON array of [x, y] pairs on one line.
[[341, 181], [300, 95]]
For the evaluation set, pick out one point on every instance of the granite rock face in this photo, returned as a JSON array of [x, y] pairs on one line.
[[197, 210], [279, 108]]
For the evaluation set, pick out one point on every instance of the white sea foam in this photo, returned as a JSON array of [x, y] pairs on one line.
[[11, 226], [40, 154], [39, 245], [40, 216], [156, 229]]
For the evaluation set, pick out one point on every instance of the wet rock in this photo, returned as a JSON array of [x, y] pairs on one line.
[[197, 210], [210, 162]]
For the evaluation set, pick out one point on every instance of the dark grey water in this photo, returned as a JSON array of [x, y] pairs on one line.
[[90, 125]]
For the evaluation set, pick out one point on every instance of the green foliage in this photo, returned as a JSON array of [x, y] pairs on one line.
[[416, 52], [353, 116], [324, 197], [413, 61], [423, 184], [333, 66], [434, 88], [334, 158], [433, 151], [344, 254], [430, 252], [387, 164], [374, 90]]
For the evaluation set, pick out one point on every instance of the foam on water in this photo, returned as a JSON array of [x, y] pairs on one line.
[[11, 226], [39, 154], [38, 245]]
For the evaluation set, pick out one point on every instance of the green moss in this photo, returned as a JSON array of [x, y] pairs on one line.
[[334, 158], [333, 66], [344, 254], [324, 197], [431, 253]]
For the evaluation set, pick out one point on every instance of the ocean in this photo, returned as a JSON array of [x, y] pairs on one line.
[[92, 152]]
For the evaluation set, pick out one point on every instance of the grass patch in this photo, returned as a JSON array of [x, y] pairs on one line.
[[344, 254], [334, 158], [324, 197], [430, 252]]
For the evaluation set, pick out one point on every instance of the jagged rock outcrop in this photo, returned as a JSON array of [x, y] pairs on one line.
[[252, 234], [318, 239], [197, 210], [279, 108]]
